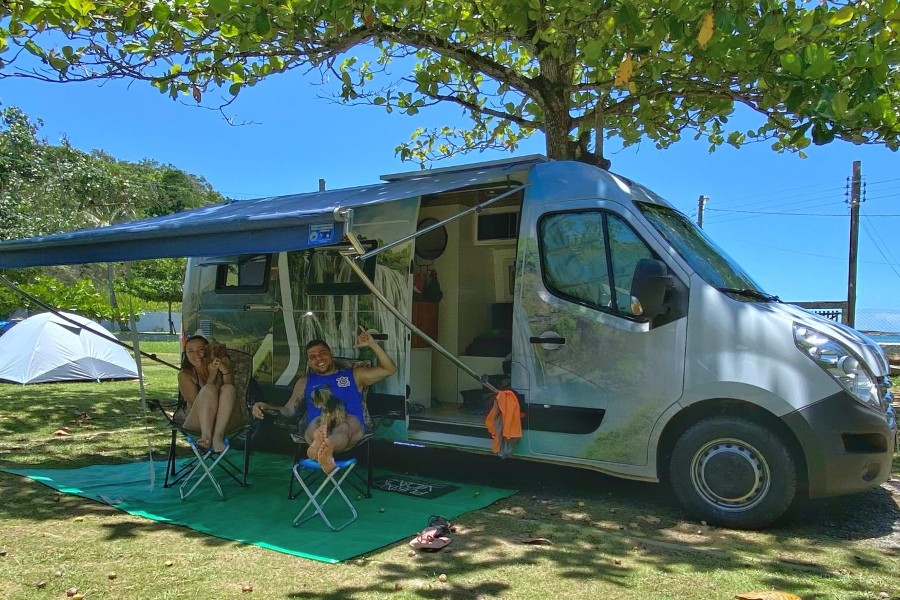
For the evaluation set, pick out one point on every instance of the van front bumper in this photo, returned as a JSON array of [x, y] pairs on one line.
[[848, 447]]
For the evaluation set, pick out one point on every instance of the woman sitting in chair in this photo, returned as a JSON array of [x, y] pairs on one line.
[[207, 385]]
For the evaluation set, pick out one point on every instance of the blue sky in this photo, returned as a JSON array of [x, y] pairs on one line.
[[785, 219]]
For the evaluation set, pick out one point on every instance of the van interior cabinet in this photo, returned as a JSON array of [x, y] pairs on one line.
[[425, 317]]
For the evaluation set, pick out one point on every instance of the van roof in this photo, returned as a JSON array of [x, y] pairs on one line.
[[525, 161]]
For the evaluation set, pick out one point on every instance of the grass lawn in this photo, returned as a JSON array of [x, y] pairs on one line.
[[611, 539]]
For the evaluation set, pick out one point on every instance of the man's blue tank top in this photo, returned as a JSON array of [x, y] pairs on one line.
[[343, 386]]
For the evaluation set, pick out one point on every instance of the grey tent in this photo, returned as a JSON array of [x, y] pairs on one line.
[[47, 347]]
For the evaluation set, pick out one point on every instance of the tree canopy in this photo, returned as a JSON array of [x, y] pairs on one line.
[[580, 72], [47, 188]]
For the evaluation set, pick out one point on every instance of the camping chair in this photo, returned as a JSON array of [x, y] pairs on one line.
[[309, 474], [202, 465]]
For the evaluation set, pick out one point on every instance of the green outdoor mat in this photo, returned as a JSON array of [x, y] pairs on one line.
[[261, 513]]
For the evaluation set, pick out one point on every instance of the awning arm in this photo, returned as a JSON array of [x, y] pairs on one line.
[[351, 261], [468, 211]]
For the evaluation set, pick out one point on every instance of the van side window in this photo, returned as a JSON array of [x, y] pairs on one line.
[[243, 275], [589, 257], [627, 249]]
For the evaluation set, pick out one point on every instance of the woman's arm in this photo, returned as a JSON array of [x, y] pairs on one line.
[[224, 367], [187, 385]]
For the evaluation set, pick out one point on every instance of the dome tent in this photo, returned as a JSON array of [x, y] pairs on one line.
[[47, 347]]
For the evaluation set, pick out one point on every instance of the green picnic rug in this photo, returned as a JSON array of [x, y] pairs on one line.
[[261, 514]]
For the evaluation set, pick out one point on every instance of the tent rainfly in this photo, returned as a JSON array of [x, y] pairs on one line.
[[46, 348]]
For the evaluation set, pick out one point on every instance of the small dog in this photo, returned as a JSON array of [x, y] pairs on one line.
[[334, 412], [216, 350]]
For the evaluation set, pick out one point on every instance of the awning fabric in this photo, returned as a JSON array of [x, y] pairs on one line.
[[261, 225]]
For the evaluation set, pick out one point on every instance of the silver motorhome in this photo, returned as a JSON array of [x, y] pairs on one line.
[[636, 346]]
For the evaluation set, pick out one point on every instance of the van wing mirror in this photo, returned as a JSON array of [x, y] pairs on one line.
[[648, 286]]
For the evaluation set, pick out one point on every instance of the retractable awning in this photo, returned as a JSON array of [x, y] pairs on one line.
[[261, 225]]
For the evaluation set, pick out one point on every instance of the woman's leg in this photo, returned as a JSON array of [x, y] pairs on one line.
[[205, 405], [191, 420], [222, 416]]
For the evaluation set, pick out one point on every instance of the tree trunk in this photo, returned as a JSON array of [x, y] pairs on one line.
[[113, 301], [171, 323], [553, 87]]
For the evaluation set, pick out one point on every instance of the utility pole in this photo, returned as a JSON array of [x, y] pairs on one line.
[[854, 242], [701, 203]]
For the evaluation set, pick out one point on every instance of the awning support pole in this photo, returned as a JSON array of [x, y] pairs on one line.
[[351, 262], [476, 208]]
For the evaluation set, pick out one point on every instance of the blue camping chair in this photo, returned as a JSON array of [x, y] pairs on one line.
[[314, 481], [205, 463]]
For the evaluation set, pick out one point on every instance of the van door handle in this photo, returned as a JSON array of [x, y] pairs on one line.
[[259, 307], [548, 340]]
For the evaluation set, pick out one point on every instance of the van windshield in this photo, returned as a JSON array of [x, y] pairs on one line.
[[701, 253]]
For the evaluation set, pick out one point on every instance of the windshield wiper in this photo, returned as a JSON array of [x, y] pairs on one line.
[[750, 293]]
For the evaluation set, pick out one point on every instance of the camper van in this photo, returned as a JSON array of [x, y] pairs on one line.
[[635, 346]]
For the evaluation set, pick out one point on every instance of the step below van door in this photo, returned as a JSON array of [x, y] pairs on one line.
[[599, 376]]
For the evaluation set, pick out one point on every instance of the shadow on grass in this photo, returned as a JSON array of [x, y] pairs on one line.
[[602, 529]]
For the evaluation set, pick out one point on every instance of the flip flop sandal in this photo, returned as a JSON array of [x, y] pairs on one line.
[[428, 542]]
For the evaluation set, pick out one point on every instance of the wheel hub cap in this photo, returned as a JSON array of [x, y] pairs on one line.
[[730, 474]]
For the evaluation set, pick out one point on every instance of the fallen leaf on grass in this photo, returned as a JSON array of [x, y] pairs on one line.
[[770, 595], [60, 433], [537, 541]]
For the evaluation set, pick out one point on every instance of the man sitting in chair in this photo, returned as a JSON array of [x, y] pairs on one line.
[[334, 412]]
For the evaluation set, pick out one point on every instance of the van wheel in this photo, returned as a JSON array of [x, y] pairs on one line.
[[733, 472]]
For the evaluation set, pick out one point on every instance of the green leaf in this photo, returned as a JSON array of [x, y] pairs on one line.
[[792, 64], [261, 23], [820, 67], [785, 42], [839, 103], [219, 6], [842, 16], [594, 49], [35, 49], [161, 11], [821, 134]]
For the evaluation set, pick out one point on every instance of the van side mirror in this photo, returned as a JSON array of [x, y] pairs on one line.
[[648, 286]]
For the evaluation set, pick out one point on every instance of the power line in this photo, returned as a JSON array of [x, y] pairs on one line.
[[839, 258], [878, 247]]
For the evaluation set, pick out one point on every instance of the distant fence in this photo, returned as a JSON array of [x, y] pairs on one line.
[[151, 321], [834, 310]]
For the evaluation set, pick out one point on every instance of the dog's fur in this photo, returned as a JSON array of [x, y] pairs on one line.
[[334, 412], [217, 350]]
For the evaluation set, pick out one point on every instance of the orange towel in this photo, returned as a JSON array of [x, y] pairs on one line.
[[504, 422]]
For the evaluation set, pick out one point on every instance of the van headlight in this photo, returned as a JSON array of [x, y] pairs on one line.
[[839, 362]]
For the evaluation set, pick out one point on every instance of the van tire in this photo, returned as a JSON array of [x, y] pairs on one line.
[[732, 472]]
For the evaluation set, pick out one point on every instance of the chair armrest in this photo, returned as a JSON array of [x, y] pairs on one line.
[[165, 404]]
